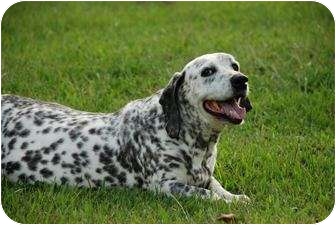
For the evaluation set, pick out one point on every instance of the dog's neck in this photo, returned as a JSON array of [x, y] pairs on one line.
[[194, 131]]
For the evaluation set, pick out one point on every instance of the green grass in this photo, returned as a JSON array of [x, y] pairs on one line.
[[99, 56]]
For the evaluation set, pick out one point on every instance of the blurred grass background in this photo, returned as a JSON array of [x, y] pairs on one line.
[[99, 56]]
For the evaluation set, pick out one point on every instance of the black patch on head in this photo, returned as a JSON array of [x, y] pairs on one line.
[[46, 172], [170, 106], [63, 152]]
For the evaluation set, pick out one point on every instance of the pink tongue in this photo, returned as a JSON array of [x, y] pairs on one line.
[[232, 110]]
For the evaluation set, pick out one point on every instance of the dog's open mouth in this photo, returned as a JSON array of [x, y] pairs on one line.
[[229, 109]]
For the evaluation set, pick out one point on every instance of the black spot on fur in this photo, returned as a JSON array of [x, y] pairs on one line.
[[57, 129], [87, 176], [31, 177], [109, 179], [32, 159], [83, 154], [140, 181], [11, 143], [46, 130], [11, 133], [127, 158], [24, 133], [96, 148], [46, 150], [64, 180], [97, 183], [56, 159], [92, 131], [22, 177], [103, 158], [78, 180], [24, 145], [111, 169], [84, 138], [11, 167], [98, 170], [38, 121], [80, 144], [18, 126], [74, 134], [174, 165], [122, 178], [46, 172]]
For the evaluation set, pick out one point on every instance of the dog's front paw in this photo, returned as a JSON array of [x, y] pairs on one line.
[[215, 196], [241, 199]]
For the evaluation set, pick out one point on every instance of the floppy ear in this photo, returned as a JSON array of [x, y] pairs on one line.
[[245, 102], [169, 103]]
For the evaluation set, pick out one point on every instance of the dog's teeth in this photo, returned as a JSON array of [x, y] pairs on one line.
[[239, 100]]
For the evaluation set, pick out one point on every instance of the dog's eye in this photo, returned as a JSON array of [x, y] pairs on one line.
[[208, 71], [235, 66]]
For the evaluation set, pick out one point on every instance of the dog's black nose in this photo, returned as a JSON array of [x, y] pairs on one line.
[[238, 82]]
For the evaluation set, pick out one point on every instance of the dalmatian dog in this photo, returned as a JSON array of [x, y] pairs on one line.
[[165, 142]]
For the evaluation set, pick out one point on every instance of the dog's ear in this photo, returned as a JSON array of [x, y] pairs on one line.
[[170, 106], [245, 102]]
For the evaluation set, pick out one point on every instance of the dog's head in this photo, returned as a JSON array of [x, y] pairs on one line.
[[212, 88]]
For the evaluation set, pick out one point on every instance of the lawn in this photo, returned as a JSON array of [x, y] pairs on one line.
[[99, 56]]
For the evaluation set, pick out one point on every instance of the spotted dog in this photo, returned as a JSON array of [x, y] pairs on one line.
[[165, 142]]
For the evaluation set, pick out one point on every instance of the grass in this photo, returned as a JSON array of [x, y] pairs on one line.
[[99, 56]]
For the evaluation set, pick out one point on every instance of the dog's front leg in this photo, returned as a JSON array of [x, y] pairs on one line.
[[175, 187], [228, 197]]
